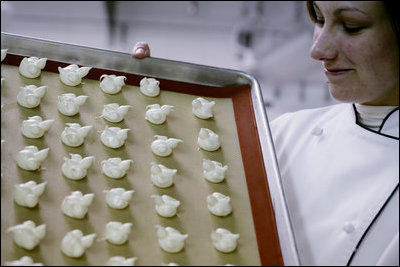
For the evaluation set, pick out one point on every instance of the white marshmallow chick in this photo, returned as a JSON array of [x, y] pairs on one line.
[[202, 108], [115, 167], [114, 137], [208, 140], [118, 198], [27, 235], [117, 233], [163, 146], [111, 84], [32, 67], [219, 204], [30, 158], [165, 205], [74, 134], [121, 261], [76, 205], [35, 127], [157, 114], [223, 240], [23, 261], [113, 112], [3, 54], [69, 104], [162, 176], [214, 171], [74, 244], [75, 168], [150, 86], [27, 194], [170, 239], [30, 95], [72, 75]]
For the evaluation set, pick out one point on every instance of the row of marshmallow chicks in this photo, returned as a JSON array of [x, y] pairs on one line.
[[163, 203]]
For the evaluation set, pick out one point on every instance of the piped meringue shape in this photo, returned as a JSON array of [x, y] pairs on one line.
[[111, 84], [76, 205], [32, 67], [115, 167], [117, 233], [118, 198], [35, 127], [30, 158], [72, 75], [31, 95], [157, 114], [3, 54], [27, 235], [213, 171], [202, 108], [219, 204], [27, 194], [170, 239], [165, 205], [163, 146], [75, 168], [121, 261], [74, 244], [113, 112], [161, 176], [23, 261], [114, 137], [68, 104], [150, 86], [223, 240], [208, 140], [74, 134]]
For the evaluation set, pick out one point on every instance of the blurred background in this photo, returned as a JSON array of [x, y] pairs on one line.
[[270, 40]]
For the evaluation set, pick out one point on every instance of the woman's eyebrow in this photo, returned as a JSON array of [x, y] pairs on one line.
[[342, 9], [351, 9]]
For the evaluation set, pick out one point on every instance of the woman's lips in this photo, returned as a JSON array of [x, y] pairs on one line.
[[336, 72]]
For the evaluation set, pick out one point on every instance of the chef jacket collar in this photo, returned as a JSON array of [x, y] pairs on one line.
[[389, 127]]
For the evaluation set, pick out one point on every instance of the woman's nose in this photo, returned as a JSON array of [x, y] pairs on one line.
[[323, 47]]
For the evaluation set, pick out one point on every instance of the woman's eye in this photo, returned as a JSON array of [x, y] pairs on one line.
[[319, 20], [352, 29]]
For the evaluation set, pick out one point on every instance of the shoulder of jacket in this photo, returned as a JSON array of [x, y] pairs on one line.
[[308, 113]]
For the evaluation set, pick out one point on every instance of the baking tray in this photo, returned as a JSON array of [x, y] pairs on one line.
[[262, 189]]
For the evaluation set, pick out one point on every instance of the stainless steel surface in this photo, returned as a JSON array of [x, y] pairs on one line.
[[178, 71]]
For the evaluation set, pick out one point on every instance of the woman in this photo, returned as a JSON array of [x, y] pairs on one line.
[[339, 164]]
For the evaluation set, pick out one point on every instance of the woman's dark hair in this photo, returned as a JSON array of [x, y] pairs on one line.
[[393, 13], [389, 6]]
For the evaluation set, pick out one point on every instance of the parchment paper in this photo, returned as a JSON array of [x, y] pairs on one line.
[[190, 187]]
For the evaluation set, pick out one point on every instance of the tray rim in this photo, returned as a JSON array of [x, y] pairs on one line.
[[184, 72]]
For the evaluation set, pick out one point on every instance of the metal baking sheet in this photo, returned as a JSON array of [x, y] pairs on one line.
[[178, 73]]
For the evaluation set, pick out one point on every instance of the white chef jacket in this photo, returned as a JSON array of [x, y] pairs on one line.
[[337, 176]]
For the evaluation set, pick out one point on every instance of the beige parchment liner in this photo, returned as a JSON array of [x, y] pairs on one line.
[[189, 187]]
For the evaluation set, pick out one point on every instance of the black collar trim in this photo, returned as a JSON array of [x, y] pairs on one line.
[[380, 128]]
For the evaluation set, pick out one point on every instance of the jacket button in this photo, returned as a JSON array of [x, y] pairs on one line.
[[317, 131], [348, 227]]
